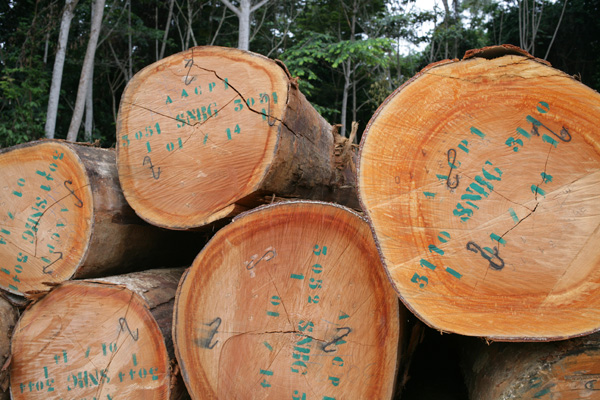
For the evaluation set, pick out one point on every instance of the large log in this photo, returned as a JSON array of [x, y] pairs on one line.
[[289, 301], [8, 319], [480, 179], [566, 370], [210, 132], [63, 215], [107, 339]]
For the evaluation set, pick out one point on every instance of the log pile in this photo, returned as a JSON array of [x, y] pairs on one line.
[[478, 181]]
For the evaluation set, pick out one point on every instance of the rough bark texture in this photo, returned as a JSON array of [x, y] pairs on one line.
[[211, 132], [8, 319], [558, 370], [63, 215], [480, 179], [294, 304], [107, 340]]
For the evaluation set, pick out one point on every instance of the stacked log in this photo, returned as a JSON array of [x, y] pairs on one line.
[[567, 369], [480, 179], [106, 340], [64, 216], [210, 132], [289, 301]]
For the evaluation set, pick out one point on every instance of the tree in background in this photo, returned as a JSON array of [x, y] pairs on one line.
[[348, 54], [244, 12]]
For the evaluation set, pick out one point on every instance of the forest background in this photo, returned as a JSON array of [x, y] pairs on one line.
[[348, 54]]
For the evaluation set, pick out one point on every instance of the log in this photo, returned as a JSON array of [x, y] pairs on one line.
[[567, 369], [63, 215], [8, 319], [105, 339], [480, 179], [288, 301], [210, 132]]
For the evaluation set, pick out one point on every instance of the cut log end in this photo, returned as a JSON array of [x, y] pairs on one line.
[[46, 196], [294, 304], [484, 200], [196, 132], [89, 340]]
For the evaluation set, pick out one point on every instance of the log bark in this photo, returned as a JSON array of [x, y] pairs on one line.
[[63, 215], [294, 304], [480, 180], [211, 132], [558, 370], [8, 319], [105, 339]]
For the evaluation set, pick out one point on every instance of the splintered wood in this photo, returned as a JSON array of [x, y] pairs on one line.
[[207, 133], [289, 301], [97, 340], [481, 181]]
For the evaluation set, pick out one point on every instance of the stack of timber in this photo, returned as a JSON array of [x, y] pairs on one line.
[[480, 179], [210, 132], [106, 340], [568, 369], [63, 216], [289, 301]]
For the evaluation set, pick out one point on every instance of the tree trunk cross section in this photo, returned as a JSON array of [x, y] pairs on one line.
[[481, 181], [294, 304], [89, 339], [207, 133]]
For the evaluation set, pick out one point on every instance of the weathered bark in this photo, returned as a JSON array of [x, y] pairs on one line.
[[8, 319], [294, 303], [210, 132], [87, 70], [558, 370], [106, 340], [57, 71], [64, 215], [484, 199]]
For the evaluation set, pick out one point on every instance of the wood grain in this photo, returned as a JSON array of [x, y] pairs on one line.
[[481, 179]]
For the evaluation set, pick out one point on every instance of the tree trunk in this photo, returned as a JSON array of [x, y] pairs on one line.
[[57, 71], [212, 131], [64, 216], [106, 340], [559, 370], [86, 70], [484, 198], [8, 319], [295, 302], [167, 26]]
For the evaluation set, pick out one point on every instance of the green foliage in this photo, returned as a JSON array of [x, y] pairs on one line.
[[22, 96]]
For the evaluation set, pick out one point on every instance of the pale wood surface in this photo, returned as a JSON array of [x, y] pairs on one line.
[[481, 180], [289, 301], [565, 370], [92, 339], [63, 215], [210, 132]]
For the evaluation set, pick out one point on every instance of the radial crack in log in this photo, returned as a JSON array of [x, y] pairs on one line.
[[515, 127], [330, 326], [267, 140]]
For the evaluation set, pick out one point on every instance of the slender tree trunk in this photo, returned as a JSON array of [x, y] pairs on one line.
[[130, 56], [244, 13], [556, 30], [89, 109], [59, 63], [86, 70], [347, 75], [166, 34]]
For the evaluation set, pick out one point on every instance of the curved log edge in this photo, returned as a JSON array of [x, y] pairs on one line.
[[293, 301], [211, 132], [479, 178]]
